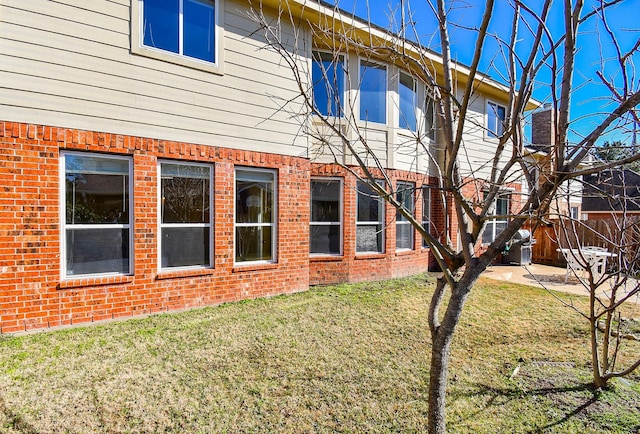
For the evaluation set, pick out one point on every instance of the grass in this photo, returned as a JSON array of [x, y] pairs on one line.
[[348, 358]]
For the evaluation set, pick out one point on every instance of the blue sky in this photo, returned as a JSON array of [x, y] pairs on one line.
[[590, 99]]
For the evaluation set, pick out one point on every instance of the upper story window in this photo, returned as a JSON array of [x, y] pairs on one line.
[[370, 220], [373, 92], [96, 204], [328, 83], [326, 217], [430, 117], [185, 215], [500, 218], [408, 99], [183, 32], [496, 115], [181, 29], [404, 228], [574, 212], [255, 215]]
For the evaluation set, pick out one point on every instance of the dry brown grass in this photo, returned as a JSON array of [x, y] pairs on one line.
[[350, 358]]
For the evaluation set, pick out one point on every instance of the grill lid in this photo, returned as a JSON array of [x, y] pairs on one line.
[[522, 235]]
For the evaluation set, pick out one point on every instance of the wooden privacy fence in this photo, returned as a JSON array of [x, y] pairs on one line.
[[544, 250], [602, 233]]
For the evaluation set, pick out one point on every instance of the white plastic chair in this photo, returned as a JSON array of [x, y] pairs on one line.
[[574, 265]]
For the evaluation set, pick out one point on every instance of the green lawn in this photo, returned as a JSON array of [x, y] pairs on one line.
[[349, 358]]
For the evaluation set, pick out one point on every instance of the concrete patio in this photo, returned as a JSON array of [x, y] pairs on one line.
[[541, 276]]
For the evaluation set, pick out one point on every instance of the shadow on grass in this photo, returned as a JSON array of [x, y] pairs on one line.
[[16, 421], [510, 394]]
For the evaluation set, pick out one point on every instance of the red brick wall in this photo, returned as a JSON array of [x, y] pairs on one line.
[[352, 267], [33, 296], [31, 292]]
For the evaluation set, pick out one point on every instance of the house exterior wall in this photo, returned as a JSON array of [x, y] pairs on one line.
[[70, 81], [70, 63], [355, 267], [32, 293]]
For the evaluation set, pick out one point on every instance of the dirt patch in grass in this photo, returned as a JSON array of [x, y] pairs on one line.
[[347, 358]]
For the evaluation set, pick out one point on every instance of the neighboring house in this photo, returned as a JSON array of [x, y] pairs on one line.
[[611, 193], [568, 198], [145, 165]]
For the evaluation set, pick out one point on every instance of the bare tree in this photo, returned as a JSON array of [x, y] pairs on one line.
[[468, 183], [604, 256]]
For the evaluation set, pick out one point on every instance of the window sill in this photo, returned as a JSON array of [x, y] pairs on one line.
[[326, 258], [405, 252], [407, 133], [177, 59], [491, 139], [376, 126], [95, 281], [239, 268], [176, 274], [370, 256]]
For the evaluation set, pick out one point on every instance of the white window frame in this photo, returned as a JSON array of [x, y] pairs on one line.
[[411, 186], [385, 91], [426, 216], [162, 225], [430, 101], [273, 224], [574, 212], [63, 220], [492, 133], [344, 64], [415, 101], [138, 47], [492, 224], [380, 222], [340, 211]]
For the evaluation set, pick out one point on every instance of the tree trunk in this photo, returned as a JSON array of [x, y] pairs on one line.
[[441, 338], [598, 381], [438, 374]]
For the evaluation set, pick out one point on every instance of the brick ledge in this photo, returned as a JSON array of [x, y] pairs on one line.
[[95, 281]]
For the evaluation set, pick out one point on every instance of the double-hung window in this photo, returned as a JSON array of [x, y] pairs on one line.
[[255, 215], [574, 212], [499, 218], [408, 99], [96, 205], [326, 217], [404, 228], [426, 212], [430, 118], [373, 92], [185, 215], [370, 221], [496, 115], [183, 27], [328, 83]]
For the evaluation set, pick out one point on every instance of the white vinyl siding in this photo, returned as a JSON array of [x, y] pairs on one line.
[[71, 65]]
